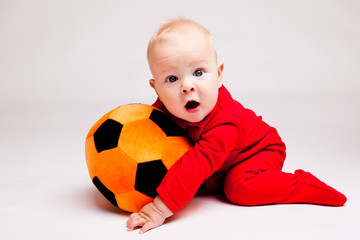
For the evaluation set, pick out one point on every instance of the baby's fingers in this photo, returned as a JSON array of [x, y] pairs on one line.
[[135, 221], [147, 226]]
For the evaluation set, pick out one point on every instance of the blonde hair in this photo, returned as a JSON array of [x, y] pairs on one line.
[[166, 30]]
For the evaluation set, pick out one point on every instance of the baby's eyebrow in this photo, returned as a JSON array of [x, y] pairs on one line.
[[169, 67], [168, 70], [199, 63]]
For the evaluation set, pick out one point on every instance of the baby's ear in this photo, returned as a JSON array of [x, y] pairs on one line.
[[220, 73], [152, 83]]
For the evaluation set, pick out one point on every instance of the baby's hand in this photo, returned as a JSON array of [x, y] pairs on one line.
[[152, 215]]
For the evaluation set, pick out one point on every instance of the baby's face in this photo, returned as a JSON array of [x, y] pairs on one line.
[[186, 75]]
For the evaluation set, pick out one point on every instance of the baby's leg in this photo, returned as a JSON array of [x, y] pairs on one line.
[[259, 180]]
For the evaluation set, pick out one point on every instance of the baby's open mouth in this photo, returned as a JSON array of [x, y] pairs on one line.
[[191, 105]]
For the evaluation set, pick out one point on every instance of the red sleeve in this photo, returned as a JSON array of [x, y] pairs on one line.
[[184, 178]]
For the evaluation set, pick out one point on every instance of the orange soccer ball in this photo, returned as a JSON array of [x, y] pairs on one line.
[[128, 152]]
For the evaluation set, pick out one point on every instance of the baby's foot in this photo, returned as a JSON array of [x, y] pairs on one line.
[[317, 192]]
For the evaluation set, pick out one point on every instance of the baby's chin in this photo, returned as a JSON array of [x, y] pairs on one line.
[[191, 112], [194, 118]]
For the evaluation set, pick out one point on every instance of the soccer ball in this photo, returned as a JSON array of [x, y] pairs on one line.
[[128, 152]]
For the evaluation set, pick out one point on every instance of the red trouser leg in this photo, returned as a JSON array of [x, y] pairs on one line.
[[259, 180]]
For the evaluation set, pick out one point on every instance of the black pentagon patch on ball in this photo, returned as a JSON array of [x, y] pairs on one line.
[[149, 176], [110, 196], [166, 124], [107, 135]]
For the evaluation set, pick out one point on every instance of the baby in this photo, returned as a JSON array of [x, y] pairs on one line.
[[233, 150]]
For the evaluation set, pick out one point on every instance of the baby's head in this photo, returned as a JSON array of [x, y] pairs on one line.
[[186, 75]]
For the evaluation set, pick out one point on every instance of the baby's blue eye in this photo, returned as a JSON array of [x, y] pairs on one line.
[[172, 79], [198, 73]]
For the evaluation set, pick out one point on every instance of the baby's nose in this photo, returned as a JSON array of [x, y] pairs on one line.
[[188, 86], [185, 90]]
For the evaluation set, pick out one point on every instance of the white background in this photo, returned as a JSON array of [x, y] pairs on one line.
[[63, 64]]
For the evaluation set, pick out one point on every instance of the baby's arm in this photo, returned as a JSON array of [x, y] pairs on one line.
[[152, 215]]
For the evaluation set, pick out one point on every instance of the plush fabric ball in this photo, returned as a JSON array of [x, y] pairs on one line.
[[128, 152]]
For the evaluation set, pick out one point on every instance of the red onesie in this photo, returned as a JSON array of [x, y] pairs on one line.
[[234, 149]]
